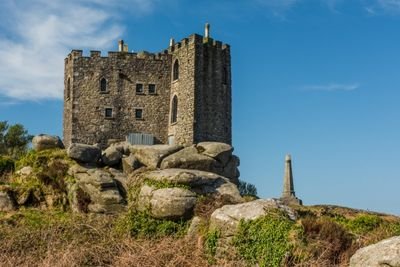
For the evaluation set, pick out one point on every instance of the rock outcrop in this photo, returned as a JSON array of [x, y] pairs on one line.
[[7, 203], [84, 153], [43, 141], [100, 191], [167, 203], [151, 156], [385, 253], [200, 182], [226, 219]]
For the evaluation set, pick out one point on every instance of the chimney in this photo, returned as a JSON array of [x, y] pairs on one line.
[[120, 45], [171, 42], [207, 31]]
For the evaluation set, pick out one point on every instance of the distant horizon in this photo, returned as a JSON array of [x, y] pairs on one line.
[[315, 79]]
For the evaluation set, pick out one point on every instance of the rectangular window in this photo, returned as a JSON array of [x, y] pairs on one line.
[[138, 113], [108, 113], [139, 88], [152, 89]]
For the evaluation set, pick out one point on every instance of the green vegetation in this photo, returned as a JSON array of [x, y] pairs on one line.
[[264, 241], [6, 165], [14, 139], [141, 225], [361, 224], [211, 244], [47, 183], [247, 189]]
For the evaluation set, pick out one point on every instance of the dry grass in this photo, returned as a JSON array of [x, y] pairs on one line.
[[43, 238]]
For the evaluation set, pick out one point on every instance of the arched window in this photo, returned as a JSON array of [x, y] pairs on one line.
[[103, 85], [224, 76], [174, 109], [68, 88], [175, 73]]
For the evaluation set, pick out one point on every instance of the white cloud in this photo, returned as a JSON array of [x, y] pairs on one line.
[[332, 87], [36, 35]]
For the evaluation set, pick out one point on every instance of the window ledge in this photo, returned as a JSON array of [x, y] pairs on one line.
[[173, 123], [104, 92], [139, 119], [109, 118], [140, 93]]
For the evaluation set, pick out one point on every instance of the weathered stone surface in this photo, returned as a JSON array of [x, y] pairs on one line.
[[84, 153], [385, 253], [167, 203], [195, 226], [219, 151], [6, 202], [130, 163], [200, 182], [227, 218], [111, 156], [151, 156], [121, 180], [44, 141], [105, 189], [189, 158], [231, 169], [24, 171]]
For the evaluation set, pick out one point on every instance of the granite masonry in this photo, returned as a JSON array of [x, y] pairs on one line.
[[180, 96]]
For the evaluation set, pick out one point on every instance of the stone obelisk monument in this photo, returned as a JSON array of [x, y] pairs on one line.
[[288, 194]]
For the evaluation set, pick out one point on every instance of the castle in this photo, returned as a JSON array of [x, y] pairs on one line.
[[179, 96]]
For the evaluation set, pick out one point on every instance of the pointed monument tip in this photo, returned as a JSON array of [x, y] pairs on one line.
[[288, 157]]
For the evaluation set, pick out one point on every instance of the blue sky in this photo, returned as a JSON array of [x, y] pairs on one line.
[[315, 78]]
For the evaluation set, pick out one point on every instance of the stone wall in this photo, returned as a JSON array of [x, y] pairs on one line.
[[122, 72], [213, 92]]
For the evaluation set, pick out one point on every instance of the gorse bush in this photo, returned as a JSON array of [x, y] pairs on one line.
[[264, 241], [142, 225], [361, 224]]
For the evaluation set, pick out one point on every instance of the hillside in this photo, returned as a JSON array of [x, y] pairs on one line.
[[64, 212]]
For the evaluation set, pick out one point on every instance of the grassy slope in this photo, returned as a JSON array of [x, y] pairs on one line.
[[44, 233]]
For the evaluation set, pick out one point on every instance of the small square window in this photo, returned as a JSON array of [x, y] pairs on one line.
[[139, 88], [108, 113], [152, 89], [138, 113]]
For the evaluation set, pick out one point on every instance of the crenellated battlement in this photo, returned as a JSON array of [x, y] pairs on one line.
[[94, 54]]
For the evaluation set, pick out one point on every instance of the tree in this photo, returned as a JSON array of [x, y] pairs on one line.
[[14, 139], [3, 129], [247, 189]]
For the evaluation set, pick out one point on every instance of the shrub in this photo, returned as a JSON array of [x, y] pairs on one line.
[[142, 225], [264, 241], [6, 165], [247, 189], [326, 239]]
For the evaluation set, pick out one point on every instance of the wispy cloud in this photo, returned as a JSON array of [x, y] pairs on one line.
[[277, 7], [332, 87], [382, 7], [36, 35]]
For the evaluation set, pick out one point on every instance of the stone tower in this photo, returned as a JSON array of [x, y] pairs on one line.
[[181, 95], [202, 89], [288, 194]]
